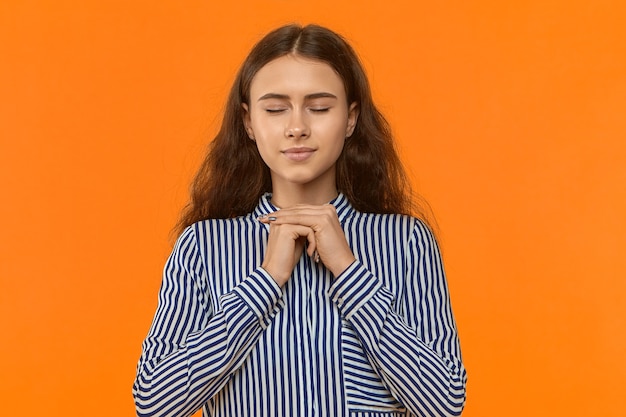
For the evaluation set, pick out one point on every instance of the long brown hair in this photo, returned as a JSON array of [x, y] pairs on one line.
[[233, 176]]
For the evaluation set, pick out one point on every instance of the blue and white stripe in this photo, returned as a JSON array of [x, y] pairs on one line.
[[378, 340]]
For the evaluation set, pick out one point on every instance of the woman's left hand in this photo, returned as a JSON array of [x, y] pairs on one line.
[[330, 240]]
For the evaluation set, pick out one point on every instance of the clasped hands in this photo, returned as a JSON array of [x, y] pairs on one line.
[[290, 228]]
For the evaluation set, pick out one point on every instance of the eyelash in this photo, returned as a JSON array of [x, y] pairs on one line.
[[314, 110]]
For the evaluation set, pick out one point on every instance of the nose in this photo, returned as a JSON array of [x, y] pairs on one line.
[[297, 127]]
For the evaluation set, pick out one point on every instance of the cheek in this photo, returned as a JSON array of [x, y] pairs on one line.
[[338, 125], [267, 149], [262, 147], [337, 135], [263, 129]]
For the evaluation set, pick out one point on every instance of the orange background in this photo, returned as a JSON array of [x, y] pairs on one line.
[[510, 114]]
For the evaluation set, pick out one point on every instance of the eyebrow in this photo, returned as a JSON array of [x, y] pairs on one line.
[[307, 97]]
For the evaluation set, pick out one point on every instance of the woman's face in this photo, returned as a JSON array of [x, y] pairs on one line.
[[299, 117]]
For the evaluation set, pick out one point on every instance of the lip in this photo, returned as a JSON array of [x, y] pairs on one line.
[[298, 154]]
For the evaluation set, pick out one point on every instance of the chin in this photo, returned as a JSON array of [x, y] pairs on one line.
[[300, 180], [299, 177], [303, 177]]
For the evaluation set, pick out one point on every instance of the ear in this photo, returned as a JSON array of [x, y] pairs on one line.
[[353, 117], [246, 120]]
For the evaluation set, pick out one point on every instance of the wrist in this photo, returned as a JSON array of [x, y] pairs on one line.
[[279, 278], [339, 267]]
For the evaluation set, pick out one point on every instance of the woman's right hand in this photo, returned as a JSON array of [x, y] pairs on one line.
[[284, 249]]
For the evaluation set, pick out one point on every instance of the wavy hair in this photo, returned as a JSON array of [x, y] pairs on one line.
[[370, 174]]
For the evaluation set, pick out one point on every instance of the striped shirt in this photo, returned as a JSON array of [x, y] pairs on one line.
[[378, 340]]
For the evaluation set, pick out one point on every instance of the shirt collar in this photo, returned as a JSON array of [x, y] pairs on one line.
[[341, 203]]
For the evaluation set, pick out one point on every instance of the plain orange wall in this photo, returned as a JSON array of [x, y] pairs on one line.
[[510, 114]]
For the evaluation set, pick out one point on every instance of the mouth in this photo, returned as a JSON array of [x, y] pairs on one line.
[[298, 154]]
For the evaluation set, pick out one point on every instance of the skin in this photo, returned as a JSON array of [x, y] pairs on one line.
[[299, 117]]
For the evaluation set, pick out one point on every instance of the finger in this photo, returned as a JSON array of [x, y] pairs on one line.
[[311, 249], [304, 217], [292, 231], [305, 209], [299, 209]]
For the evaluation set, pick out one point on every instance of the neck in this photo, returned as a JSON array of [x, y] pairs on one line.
[[289, 194]]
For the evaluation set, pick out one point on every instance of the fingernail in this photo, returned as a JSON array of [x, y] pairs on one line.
[[271, 218]]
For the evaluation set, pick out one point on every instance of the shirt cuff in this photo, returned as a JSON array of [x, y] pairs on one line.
[[261, 293], [353, 288]]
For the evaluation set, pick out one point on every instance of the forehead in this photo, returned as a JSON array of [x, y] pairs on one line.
[[296, 76]]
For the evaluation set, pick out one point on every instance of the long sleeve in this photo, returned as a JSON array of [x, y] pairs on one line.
[[191, 350], [416, 353]]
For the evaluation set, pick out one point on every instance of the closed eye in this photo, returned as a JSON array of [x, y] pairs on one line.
[[320, 109]]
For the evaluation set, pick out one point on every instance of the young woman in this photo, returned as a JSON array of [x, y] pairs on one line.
[[300, 284]]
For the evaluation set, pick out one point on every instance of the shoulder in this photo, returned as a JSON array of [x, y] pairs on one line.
[[383, 225], [393, 220], [203, 230], [209, 226], [409, 227], [213, 236]]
